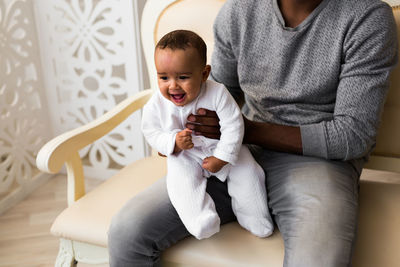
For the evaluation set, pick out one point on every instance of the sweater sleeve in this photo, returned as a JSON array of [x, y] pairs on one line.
[[159, 139], [223, 61], [232, 128], [369, 55]]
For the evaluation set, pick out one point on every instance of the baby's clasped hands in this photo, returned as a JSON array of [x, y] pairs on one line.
[[183, 140]]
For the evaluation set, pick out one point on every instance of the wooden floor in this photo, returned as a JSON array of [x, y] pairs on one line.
[[25, 239]]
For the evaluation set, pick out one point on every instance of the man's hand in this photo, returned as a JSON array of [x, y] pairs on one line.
[[213, 164], [183, 140], [205, 123]]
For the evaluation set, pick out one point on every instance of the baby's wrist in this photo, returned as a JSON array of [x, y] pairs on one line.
[[177, 149], [220, 162]]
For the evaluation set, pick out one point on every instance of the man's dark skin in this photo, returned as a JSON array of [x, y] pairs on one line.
[[271, 136]]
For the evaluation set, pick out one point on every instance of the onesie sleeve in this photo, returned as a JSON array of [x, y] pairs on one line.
[[158, 138], [232, 127], [369, 55]]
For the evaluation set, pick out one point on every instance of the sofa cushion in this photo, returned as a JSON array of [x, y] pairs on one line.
[[378, 237], [88, 219], [232, 246]]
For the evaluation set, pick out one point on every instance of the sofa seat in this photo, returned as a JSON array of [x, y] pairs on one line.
[[88, 219]]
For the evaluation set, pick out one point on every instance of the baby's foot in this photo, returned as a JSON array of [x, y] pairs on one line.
[[260, 227], [205, 225]]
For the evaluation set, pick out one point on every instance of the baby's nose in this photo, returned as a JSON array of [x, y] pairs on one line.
[[173, 84]]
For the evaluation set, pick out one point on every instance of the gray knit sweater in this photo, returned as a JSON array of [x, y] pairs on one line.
[[329, 75]]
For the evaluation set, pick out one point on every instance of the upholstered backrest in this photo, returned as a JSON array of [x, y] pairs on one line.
[[386, 155], [199, 18], [388, 142], [198, 15]]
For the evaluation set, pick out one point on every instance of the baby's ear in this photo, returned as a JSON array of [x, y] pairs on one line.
[[206, 72]]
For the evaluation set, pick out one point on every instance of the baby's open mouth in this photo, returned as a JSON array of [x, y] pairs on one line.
[[178, 97]]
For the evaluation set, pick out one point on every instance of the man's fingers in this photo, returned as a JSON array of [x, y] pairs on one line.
[[204, 116], [206, 131], [197, 119], [206, 112], [209, 135], [203, 128], [205, 123]]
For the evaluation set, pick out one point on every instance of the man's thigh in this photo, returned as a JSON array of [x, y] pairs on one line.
[[145, 226], [314, 203], [148, 224]]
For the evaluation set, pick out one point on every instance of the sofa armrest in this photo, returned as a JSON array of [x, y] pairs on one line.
[[64, 148]]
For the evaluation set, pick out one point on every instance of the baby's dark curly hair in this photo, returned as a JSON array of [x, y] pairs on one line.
[[182, 39]]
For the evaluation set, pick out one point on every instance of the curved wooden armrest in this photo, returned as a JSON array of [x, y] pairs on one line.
[[60, 149]]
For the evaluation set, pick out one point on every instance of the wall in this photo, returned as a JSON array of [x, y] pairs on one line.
[[23, 112], [62, 64], [91, 51]]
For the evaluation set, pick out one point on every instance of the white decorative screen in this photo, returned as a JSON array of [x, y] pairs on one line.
[[23, 120], [90, 54]]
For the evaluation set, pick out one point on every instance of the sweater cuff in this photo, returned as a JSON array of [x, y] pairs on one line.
[[313, 140]]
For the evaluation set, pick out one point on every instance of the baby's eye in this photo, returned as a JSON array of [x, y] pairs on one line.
[[183, 77], [164, 78]]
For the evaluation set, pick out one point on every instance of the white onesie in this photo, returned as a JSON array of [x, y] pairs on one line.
[[186, 179]]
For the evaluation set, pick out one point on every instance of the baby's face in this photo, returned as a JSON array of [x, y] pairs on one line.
[[180, 74]]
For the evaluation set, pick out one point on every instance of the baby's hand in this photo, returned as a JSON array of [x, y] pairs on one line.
[[183, 140], [213, 164]]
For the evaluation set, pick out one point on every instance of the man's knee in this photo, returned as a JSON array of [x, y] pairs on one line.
[[316, 251], [127, 236], [323, 235], [133, 230], [316, 211]]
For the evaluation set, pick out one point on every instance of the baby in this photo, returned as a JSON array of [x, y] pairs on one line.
[[180, 60]]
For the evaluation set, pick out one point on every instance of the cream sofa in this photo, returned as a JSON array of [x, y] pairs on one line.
[[82, 227]]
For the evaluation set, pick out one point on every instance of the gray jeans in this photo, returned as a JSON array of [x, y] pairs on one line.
[[313, 201]]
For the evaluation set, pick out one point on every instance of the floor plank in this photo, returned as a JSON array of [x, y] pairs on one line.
[[25, 238]]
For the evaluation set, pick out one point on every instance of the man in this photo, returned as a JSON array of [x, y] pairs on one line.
[[313, 75]]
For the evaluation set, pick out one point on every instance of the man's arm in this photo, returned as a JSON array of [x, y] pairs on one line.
[[369, 55], [272, 136]]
